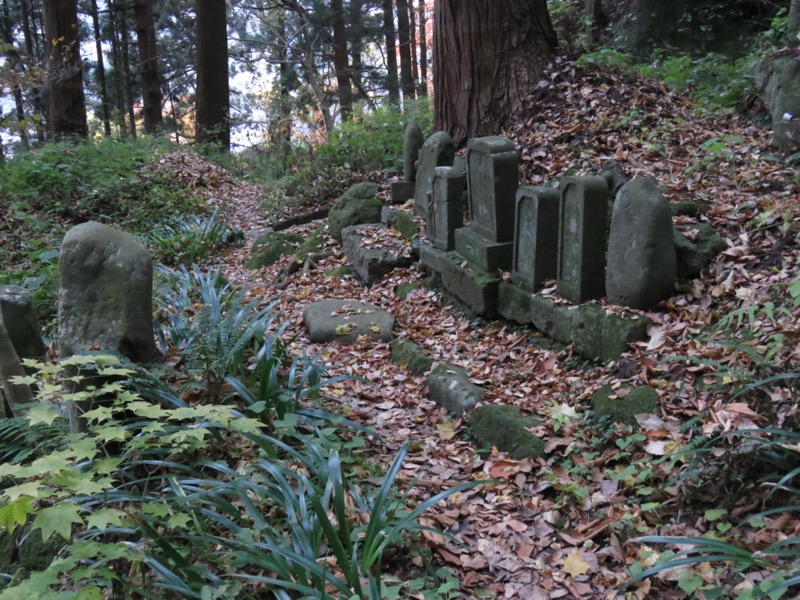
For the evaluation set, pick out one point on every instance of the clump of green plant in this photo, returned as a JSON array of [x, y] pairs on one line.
[[168, 515], [190, 239]]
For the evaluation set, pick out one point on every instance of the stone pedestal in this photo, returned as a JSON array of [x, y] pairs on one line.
[[483, 252]]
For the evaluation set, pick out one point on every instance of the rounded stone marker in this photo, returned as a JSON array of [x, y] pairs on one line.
[[346, 320]]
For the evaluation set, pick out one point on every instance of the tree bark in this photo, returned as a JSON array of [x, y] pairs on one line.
[[343, 82], [488, 56], [35, 58], [423, 50], [126, 64], [116, 62], [392, 84], [794, 20], [596, 17], [403, 36], [67, 113], [101, 71], [412, 40], [148, 65], [213, 94]]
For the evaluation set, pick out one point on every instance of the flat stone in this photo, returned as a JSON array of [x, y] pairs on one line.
[[346, 320], [483, 252], [410, 355], [450, 388], [473, 287], [504, 427], [370, 263], [628, 401], [641, 264]]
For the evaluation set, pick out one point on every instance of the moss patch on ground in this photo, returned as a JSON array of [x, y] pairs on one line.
[[505, 427]]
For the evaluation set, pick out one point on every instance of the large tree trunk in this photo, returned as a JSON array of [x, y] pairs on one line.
[[488, 56], [213, 94], [392, 84], [148, 65], [67, 114], [404, 37], [343, 82]]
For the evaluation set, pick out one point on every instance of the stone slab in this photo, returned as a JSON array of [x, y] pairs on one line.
[[371, 263]]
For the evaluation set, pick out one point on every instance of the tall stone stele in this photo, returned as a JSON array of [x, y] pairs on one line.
[[446, 208], [641, 267], [437, 151], [413, 139], [536, 237], [492, 182]]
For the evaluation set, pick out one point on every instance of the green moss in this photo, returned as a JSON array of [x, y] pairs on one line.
[[406, 352], [312, 246], [505, 427], [638, 400], [340, 272], [356, 206], [270, 247], [406, 225], [686, 208], [404, 289]]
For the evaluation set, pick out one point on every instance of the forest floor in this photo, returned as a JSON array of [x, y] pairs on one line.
[[564, 526]]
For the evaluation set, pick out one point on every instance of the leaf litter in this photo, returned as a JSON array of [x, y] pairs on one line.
[[560, 526]]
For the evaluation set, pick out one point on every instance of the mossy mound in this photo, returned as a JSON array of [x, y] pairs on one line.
[[270, 247], [340, 272], [504, 427], [404, 289], [405, 224], [686, 208], [637, 401], [406, 352], [313, 245], [694, 255], [357, 206]]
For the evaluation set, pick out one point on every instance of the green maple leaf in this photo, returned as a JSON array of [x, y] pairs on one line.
[[16, 513], [42, 412], [30, 489], [101, 519], [57, 519]]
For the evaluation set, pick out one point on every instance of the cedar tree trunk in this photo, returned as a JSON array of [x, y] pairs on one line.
[[343, 83], [148, 65], [67, 113], [404, 37], [213, 123], [392, 84], [488, 56]]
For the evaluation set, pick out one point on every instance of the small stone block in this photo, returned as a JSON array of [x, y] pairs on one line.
[[446, 210], [536, 240], [450, 388], [582, 238], [482, 252]]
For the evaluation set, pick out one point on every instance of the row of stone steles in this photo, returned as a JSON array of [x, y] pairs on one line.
[[543, 233]]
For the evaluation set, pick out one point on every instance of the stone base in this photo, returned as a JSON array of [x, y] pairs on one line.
[[474, 287], [402, 191], [371, 264], [595, 334], [486, 254]]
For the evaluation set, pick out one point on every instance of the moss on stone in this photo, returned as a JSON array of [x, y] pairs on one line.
[[270, 247], [686, 208], [404, 289], [505, 427], [312, 246], [340, 272], [695, 255], [412, 356], [356, 206], [405, 224], [638, 400]]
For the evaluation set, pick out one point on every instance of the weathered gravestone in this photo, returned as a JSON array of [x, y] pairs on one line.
[[582, 238], [536, 239], [412, 144], [641, 266], [19, 315], [446, 210], [437, 151], [492, 182], [105, 299]]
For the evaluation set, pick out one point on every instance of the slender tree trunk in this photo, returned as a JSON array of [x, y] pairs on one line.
[[67, 114], [148, 65], [213, 94], [17, 68], [19, 103], [356, 35], [412, 41], [116, 62], [403, 36], [10, 366], [34, 58], [392, 84], [596, 17], [423, 50], [101, 70], [488, 57], [344, 85], [126, 65]]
